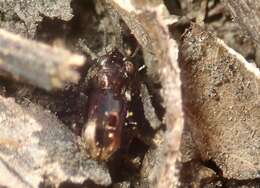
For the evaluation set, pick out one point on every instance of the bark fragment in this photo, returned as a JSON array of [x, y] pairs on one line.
[[221, 103], [22, 17], [35, 147]]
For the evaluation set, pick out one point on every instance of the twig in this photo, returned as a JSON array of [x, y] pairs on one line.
[[37, 63], [149, 23]]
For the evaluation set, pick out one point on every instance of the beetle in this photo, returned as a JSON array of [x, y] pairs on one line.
[[108, 80]]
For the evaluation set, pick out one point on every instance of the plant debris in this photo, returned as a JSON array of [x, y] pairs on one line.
[[192, 115], [35, 147], [37, 63], [221, 92]]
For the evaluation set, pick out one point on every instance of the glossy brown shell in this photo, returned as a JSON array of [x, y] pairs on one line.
[[108, 80]]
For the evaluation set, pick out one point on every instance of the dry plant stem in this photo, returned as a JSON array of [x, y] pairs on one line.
[[246, 14], [148, 21], [37, 63], [203, 13]]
